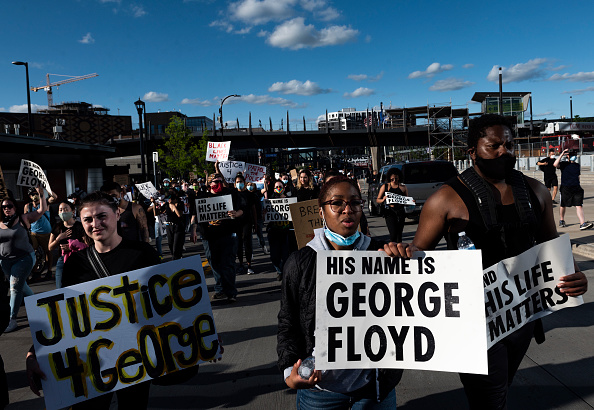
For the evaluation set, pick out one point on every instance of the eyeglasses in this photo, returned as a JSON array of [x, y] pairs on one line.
[[8, 206], [339, 205]]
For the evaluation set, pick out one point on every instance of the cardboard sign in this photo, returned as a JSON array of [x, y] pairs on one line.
[[3, 188], [524, 288], [214, 208], [122, 179], [148, 190], [293, 174], [229, 169], [277, 210], [218, 151], [101, 336], [32, 175], [374, 311], [306, 217], [255, 173], [392, 199]]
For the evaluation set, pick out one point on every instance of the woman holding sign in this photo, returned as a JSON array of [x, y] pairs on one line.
[[279, 234], [393, 213], [17, 256], [341, 208]]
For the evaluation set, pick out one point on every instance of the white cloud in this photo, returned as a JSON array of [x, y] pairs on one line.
[[223, 25], [579, 92], [359, 92], [530, 70], [450, 84], [23, 108], [244, 30], [2, 109], [255, 12], [294, 34], [262, 33], [577, 77], [362, 77], [468, 66], [87, 39], [198, 101], [266, 99], [137, 10], [545, 114], [298, 88], [153, 96], [431, 71], [36, 65]]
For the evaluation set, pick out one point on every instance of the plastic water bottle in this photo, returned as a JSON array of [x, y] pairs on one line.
[[307, 368], [464, 242]]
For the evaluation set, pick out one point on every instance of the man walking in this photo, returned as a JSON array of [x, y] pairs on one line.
[[572, 194], [547, 166]]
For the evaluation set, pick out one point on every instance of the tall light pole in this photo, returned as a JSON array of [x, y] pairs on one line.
[[29, 116], [140, 106], [571, 108], [221, 110]]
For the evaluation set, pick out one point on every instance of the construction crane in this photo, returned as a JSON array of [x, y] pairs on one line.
[[48, 87]]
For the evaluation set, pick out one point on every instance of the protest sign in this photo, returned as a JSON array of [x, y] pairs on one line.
[[3, 188], [521, 289], [293, 174], [229, 169], [277, 210], [32, 175], [122, 179], [306, 217], [163, 224], [426, 312], [392, 198], [213, 208], [101, 336], [218, 151], [254, 173], [147, 189]]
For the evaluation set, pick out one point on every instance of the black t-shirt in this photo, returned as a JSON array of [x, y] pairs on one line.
[[548, 169], [570, 173], [127, 256], [306, 194], [247, 200], [223, 227], [78, 232]]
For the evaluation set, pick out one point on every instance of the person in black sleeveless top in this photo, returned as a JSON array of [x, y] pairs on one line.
[[524, 212], [394, 213], [133, 224]]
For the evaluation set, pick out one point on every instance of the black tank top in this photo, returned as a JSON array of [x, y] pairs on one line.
[[128, 225], [510, 238], [398, 208]]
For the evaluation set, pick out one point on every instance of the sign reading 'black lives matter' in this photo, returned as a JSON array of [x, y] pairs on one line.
[[105, 335], [374, 311]]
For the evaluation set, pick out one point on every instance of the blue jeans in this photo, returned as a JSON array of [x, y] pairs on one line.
[[315, 399], [220, 253], [158, 238], [17, 271], [59, 270]]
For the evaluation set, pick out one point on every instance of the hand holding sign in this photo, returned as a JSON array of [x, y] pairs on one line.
[[32, 175], [395, 199], [218, 151]]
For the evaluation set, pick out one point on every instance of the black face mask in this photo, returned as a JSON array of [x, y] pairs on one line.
[[8, 220], [496, 168]]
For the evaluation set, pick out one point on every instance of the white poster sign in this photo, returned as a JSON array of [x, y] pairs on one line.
[[392, 198], [277, 210], [148, 190], [524, 288], [255, 173], [213, 208], [163, 224], [426, 313], [32, 175], [229, 169], [218, 151], [101, 336]]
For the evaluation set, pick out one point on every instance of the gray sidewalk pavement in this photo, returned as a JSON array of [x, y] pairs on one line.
[[558, 374]]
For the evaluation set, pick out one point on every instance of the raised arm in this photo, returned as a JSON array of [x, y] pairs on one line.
[[33, 216]]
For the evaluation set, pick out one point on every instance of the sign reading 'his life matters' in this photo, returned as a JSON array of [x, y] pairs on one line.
[[524, 288], [218, 151], [214, 208], [277, 210], [108, 334], [426, 312]]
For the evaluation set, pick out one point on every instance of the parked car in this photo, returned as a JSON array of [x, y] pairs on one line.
[[421, 178]]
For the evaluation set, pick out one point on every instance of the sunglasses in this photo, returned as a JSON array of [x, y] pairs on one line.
[[8, 206]]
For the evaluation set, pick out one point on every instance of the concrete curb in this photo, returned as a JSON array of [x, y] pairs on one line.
[[582, 249]]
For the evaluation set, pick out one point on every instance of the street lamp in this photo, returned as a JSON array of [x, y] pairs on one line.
[[29, 116], [221, 110], [140, 106]]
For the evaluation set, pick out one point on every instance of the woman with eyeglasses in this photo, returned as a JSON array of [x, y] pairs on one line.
[[341, 208], [17, 256], [394, 213]]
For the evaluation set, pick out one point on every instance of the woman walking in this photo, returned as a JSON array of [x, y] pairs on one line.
[[279, 235], [176, 232], [394, 214], [245, 224]]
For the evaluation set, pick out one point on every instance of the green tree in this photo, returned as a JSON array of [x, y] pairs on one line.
[[181, 152]]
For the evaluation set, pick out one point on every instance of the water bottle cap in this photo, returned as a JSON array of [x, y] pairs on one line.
[[461, 233]]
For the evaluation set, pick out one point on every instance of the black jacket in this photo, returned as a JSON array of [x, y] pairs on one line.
[[296, 318]]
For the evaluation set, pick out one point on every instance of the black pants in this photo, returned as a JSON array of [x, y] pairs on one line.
[[489, 392], [176, 235], [395, 225], [133, 397], [244, 240]]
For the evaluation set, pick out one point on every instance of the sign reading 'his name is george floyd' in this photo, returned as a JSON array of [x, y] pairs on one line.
[[374, 311], [101, 336], [277, 210], [524, 288], [214, 208]]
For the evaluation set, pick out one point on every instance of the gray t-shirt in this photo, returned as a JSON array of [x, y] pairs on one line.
[[14, 242]]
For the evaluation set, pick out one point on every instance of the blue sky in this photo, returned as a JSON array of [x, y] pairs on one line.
[[304, 56]]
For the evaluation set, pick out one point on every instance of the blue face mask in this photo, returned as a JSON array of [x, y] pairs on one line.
[[574, 158], [339, 239], [240, 185], [250, 188]]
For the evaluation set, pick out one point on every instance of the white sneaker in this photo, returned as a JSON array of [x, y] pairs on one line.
[[12, 325], [265, 249], [250, 271]]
